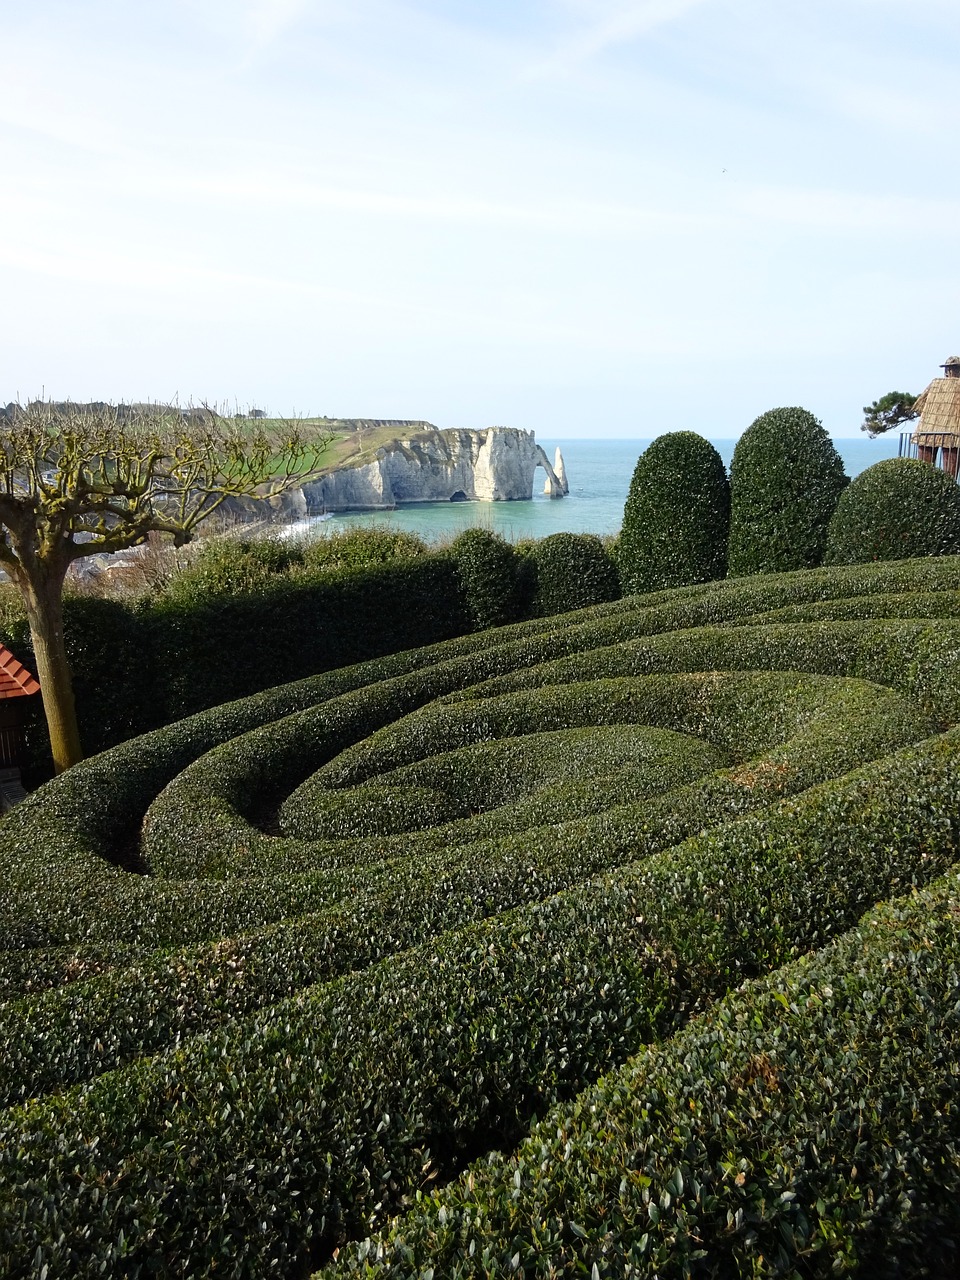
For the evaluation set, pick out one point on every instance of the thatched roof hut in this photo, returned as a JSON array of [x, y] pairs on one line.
[[939, 425], [939, 408]]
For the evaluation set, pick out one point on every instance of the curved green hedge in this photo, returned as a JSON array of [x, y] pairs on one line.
[[269, 970], [805, 1126]]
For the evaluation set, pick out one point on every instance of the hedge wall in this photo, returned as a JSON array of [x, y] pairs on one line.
[[805, 1126]]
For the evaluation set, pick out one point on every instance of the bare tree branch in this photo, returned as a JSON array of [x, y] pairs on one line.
[[82, 480]]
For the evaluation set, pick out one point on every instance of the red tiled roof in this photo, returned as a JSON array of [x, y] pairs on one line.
[[15, 680]]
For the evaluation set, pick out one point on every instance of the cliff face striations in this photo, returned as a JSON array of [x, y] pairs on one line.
[[496, 465]]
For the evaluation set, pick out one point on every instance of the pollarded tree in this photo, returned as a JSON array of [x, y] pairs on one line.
[[677, 516], [81, 480], [895, 510], [785, 480]]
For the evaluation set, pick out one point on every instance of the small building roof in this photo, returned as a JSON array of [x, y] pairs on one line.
[[15, 680], [939, 408]]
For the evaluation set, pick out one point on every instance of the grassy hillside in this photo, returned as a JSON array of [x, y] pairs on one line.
[[588, 900], [355, 440]]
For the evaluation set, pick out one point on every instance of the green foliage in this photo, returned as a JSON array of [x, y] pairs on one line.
[[378, 544], [489, 570], [804, 1126], [677, 515], [890, 411], [397, 910], [294, 626], [570, 571], [556, 994], [785, 480], [895, 510], [232, 566]]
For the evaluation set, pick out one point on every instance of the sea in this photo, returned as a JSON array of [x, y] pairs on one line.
[[599, 474]]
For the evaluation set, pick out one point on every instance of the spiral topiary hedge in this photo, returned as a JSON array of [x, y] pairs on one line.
[[270, 971]]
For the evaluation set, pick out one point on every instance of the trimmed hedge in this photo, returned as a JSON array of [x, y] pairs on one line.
[[895, 510], [336, 618], [490, 575], [319, 1114], [92, 811], [786, 478], [570, 571], [343, 1018], [677, 516], [805, 1126], [140, 1009]]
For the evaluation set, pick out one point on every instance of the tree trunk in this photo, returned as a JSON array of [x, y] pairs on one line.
[[44, 604]]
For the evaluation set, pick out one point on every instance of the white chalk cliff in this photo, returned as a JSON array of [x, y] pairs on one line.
[[495, 465]]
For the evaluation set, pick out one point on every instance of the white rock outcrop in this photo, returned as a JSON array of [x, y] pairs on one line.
[[495, 465], [559, 477]]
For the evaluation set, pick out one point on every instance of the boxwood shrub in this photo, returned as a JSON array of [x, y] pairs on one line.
[[897, 509], [677, 515], [786, 478], [807, 1125], [570, 571], [489, 571]]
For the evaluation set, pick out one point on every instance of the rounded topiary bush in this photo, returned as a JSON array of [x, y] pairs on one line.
[[895, 510], [785, 480], [490, 576], [677, 516], [571, 571]]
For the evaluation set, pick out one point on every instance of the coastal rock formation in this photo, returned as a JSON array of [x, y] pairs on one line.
[[495, 465], [561, 475]]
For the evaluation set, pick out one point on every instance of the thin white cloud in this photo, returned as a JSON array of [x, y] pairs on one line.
[[849, 213], [268, 19], [621, 24]]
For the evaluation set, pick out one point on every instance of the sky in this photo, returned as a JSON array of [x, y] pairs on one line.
[[589, 218]]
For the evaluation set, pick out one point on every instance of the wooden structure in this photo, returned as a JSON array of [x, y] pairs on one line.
[[16, 683], [938, 430]]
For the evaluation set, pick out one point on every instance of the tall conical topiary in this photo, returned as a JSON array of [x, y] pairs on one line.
[[785, 480], [676, 517], [895, 510]]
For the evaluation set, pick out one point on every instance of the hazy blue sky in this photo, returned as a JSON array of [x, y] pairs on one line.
[[588, 217]]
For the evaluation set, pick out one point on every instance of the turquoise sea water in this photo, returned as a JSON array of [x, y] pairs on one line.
[[598, 472]]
